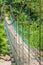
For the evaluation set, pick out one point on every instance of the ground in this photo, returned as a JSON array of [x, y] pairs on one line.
[[3, 62]]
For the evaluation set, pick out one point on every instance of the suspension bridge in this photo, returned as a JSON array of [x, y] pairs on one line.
[[22, 53]]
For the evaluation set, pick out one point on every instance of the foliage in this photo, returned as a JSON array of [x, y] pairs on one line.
[[27, 12], [3, 41]]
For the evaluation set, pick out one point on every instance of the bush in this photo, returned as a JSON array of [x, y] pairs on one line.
[[3, 41]]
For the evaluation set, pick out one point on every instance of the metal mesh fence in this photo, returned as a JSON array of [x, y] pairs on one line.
[[25, 38]]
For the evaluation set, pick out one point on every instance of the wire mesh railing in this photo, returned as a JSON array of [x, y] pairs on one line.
[[20, 49], [25, 36]]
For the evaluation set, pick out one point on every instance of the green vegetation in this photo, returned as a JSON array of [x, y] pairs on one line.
[[3, 41], [27, 18], [29, 21], [7, 12], [27, 15]]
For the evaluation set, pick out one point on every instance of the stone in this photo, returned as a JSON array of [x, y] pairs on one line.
[[7, 58]]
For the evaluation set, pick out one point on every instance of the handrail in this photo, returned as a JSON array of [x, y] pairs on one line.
[[10, 23], [27, 47]]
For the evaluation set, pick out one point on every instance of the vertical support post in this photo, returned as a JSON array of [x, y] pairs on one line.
[[40, 32]]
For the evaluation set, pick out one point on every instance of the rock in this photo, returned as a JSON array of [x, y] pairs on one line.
[[7, 58], [3, 62], [12, 60]]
